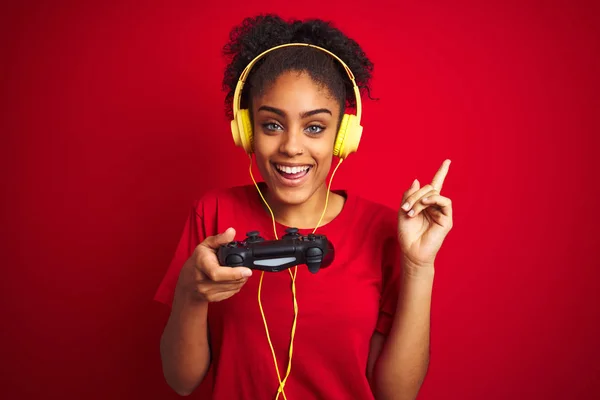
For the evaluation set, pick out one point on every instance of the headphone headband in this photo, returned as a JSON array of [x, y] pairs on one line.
[[244, 75]]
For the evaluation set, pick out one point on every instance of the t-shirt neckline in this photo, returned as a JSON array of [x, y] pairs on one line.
[[266, 222]]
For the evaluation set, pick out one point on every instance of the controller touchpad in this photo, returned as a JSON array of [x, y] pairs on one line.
[[274, 262], [270, 251]]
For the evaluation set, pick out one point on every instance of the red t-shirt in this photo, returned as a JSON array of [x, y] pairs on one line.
[[339, 307]]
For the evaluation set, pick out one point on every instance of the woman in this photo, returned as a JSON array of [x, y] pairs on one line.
[[362, 327]]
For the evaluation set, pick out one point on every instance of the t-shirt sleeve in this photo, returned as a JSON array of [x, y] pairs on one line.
[[391, 266], [193, 234]]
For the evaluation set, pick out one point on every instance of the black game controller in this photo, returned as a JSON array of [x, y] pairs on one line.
[[276, 255]]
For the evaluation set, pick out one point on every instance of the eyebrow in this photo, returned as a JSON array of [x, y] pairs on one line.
[[305, 114]]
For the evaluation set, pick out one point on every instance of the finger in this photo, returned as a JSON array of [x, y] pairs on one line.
[[214, 242], [440, 175], [220, 296], [413, 198], [208, 287], [441, 203], [412, 189], [419, 203]]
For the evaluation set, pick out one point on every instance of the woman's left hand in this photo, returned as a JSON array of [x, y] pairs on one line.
[[424, 220]]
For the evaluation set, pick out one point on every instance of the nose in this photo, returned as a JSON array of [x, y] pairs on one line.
[[291, 143]]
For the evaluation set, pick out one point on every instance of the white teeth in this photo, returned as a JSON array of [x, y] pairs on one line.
[[291, 170]]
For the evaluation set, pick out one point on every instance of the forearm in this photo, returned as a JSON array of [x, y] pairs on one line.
[[404, 359], [184, 346]]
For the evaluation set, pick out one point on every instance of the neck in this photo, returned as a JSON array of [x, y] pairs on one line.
[[307, 214]]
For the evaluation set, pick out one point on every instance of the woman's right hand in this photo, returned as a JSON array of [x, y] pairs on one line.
[[204, 279]]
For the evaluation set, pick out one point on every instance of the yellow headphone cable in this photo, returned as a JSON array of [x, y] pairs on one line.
[[280, 390]]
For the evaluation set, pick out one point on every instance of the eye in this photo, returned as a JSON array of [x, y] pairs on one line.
[[315, 129], [272, 127]]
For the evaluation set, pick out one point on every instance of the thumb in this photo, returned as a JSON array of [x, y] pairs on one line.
[[214, 242]]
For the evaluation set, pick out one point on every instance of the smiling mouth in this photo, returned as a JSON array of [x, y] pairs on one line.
[[292, 173]]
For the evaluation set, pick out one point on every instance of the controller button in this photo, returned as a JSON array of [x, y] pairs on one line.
[[234, 259], [312, 237], [252, 234], [232, 244]]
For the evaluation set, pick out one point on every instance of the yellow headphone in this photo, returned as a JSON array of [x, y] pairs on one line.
[[348, 135]]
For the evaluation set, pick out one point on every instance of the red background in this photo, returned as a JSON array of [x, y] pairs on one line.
[[112, 123]]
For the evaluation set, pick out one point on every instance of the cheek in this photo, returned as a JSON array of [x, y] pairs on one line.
[[324, 160], [263, 152], [263, 147], [323, 152], [262, 161]]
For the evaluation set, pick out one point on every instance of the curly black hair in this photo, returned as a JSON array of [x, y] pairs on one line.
[[257, 34]]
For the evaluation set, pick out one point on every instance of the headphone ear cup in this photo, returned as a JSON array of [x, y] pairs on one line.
[[235, 132], [341, 136], [348, 137], [241, 129]]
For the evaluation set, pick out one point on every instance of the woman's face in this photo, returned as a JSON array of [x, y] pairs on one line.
[[295, 123]]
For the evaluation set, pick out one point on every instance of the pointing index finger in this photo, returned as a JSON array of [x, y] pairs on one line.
[[440, 175]]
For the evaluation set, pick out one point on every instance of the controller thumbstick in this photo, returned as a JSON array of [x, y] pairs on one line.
[[253, 237], [291, 233]]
